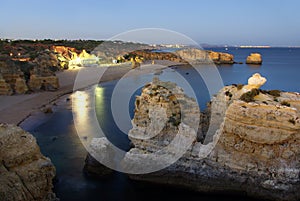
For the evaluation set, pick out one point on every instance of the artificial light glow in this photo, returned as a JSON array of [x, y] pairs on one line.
[[80, 104]]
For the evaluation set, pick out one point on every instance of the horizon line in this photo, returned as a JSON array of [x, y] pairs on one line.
[[201, 44]]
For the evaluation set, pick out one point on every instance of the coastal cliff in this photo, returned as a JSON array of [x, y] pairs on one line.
[[255, 150], [25, 174], [20, 77], [246, 143], [187, 55]]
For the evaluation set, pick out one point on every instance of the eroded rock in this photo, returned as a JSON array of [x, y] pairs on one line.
[[254, 58], [25, 174], [251, 147]]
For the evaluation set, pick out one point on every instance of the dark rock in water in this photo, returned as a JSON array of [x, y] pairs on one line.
[[47, 110], [93, 168], [25, 174]]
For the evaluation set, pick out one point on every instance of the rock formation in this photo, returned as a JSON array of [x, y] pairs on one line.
[[188, 55], [254, 58], [47, 83], [25, 174], [12, 79], [21, 77], [66, 52], [254, 82], [193, 55], [251, 145], [221, 58]]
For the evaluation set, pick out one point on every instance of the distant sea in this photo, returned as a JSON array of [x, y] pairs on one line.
[[281, 67], [58, 139]]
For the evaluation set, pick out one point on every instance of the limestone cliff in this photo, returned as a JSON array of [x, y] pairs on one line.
[[188, 55], [25, 174], [254, 147], [251, 145], [29, 76]]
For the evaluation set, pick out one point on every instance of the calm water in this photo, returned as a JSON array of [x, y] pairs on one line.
[[58, 139]]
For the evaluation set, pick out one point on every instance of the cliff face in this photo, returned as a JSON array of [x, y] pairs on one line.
[[252, 145], [21, 77], [189, 55], [25, 174]]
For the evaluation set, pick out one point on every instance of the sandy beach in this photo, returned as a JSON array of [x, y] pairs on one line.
[[16, 108]]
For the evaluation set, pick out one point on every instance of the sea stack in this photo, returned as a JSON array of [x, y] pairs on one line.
[[254, 58]]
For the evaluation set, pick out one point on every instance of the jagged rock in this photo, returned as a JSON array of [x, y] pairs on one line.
[[254, 58], [254, 148], [250, 147], [25, 174]]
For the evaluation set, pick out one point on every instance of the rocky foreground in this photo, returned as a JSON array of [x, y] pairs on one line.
[[25, 174], [247, 142]]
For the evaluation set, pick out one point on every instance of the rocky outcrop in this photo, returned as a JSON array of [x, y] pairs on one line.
[[188, 55], [251, 145], [22, 77], [221, 58], [66, 52], [46, 59], [255, 149], [254, 58], [48, 83], [25, 174]]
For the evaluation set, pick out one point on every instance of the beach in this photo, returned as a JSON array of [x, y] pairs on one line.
[[16, 108]]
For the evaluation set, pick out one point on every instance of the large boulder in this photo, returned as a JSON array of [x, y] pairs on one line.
[[254, 58], [25, 174]]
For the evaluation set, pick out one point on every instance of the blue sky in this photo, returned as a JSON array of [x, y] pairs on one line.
[[234, 22]]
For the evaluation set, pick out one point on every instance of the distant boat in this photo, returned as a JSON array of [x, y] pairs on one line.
[[226, 48]]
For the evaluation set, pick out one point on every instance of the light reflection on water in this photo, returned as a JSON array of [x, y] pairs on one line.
[[58, 139], [110, 105]]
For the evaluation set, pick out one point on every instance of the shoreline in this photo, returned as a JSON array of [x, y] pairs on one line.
[[16, 109]]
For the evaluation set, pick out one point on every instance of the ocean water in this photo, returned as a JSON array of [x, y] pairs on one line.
[[59, 140]]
